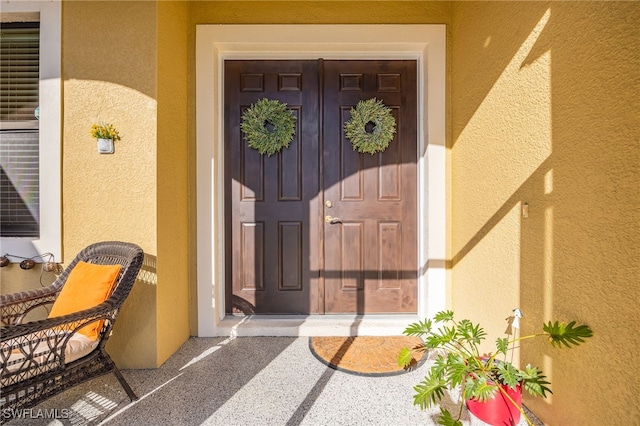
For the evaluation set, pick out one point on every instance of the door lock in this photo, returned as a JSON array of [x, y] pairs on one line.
[[328, 203]]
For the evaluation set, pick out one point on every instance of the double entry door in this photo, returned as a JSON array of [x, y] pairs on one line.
[[319, 227]]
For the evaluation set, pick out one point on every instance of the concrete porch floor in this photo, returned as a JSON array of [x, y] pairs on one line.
[[244, 381]]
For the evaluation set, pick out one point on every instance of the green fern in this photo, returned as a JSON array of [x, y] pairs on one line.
[[534, 381], [430, 391], [565, 334], [444, 316], [405, 358], [479, 388], [462, 365], [440, 366], [446, 419], [508, 374], [470, 333], [419, 328], [457, 369], [441, 338], [502, 344]]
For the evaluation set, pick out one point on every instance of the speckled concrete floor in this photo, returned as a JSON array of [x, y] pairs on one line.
[[243, 381]]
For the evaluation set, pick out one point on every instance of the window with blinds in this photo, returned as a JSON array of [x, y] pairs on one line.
[[19, 138]]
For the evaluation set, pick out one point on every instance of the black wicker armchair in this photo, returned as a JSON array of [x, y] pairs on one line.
[[40, 359]]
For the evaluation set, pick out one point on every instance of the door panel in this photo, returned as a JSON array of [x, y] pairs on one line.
[[281, 255], [272, 238], [370, 255]]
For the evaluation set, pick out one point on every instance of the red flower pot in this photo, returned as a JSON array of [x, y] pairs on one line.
[[498, 411]]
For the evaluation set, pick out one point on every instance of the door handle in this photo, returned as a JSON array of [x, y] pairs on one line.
[[332, 220]]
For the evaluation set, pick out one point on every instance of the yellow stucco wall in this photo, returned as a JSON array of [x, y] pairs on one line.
[[542, 110], [173, 186], [133, 70], [139, 68], [13, 279], [320, 12], [111, 71], [545, 112]]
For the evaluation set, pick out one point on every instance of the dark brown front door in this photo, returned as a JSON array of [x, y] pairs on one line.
[[370, 257], [282, 256]]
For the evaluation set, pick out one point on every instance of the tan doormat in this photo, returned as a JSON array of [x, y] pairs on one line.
[[364, 355]]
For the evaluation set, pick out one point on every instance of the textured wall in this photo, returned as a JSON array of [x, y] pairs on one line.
[[173, 194], [132, 69], [133, 74], [545, 112], [320, 12], [109, 72], [13, 279]]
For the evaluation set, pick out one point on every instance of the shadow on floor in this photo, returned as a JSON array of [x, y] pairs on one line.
[[241, 381]]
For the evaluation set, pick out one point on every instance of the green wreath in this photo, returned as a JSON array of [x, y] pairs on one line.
[[268, 126], [371, 126]]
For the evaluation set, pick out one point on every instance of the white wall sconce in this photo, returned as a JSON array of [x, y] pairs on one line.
[[105, 146], [106, 134]]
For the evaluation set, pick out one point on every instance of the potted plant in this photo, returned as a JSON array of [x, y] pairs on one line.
[[105, 133], [488, 382]]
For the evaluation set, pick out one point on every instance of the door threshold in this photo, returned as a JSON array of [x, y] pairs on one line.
[[315, 325]]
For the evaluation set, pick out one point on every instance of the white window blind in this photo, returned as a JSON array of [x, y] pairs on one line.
[[19, 138]]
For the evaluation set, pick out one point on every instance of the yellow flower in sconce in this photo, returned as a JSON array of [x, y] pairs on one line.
[[105, 131]]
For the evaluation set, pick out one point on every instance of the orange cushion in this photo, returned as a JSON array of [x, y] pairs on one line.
[[87, 286]]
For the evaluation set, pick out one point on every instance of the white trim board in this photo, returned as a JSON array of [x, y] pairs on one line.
[[215, 43], [50, 239]]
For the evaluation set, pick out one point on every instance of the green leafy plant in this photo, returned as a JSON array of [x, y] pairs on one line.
[[459, 362], [104, 131], [371, 126], [268, 126]]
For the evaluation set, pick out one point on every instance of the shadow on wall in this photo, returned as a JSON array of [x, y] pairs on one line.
[[134, 334], [147, 274], [574, 256]]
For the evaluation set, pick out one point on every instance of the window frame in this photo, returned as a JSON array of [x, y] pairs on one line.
[[50, 92]]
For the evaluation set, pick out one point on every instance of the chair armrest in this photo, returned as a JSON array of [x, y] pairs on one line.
[[32, 348], [30, 354], [66, 323], [14, 307]]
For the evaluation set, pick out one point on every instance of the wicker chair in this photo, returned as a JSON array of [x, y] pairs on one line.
[[37, 360]]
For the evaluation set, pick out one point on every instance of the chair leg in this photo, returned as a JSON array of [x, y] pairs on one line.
[[124, 384]]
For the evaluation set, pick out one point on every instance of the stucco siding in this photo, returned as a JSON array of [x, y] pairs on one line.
[[173, 186], [320, 12], [109, 73], [542, 103], [543, 100]]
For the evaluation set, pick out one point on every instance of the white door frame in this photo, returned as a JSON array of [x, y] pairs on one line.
[[215, 43]]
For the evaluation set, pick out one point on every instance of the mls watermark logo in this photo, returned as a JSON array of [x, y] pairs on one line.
[[33, 413]]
